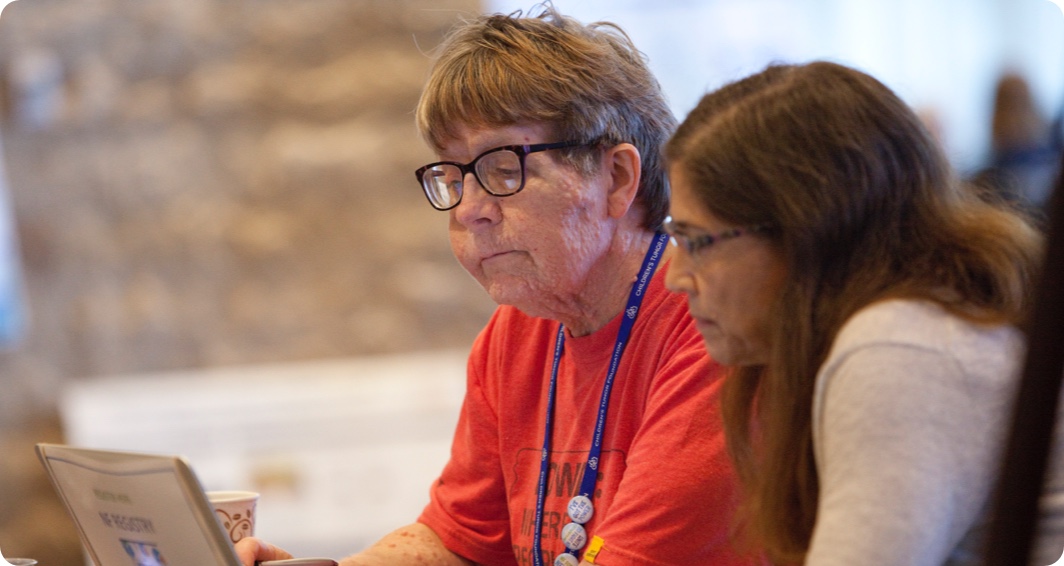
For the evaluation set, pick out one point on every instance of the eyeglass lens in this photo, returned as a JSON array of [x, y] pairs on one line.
[[499, 172]]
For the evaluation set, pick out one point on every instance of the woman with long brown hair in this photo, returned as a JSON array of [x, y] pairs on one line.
[[867, 305]]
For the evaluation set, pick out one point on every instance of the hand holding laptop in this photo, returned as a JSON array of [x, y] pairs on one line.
[[256, 552]]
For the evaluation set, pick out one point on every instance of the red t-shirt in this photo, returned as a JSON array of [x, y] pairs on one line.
[[666, 491]]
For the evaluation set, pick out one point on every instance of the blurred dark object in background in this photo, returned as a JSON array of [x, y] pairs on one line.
[[1025, 150], [1012, 539]]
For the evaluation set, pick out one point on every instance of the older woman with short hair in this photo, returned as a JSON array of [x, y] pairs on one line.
[[590, 431]]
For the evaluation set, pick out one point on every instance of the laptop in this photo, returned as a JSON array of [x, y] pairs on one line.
[[138, 509]]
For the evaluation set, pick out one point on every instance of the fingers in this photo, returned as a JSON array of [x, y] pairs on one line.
[[251, 550]]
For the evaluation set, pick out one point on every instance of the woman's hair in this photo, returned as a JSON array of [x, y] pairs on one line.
[[864, 207], [586, 82]]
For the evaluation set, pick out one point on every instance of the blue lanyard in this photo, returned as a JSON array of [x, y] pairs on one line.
[[587, 485]]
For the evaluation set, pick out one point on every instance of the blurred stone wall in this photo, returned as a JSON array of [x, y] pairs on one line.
[[212, 182]]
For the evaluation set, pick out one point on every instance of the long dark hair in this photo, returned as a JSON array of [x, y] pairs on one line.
[[865, 207]]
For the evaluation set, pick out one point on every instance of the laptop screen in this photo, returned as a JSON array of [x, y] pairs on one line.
[[134, 509]]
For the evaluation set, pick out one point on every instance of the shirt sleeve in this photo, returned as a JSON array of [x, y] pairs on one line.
[[906, 457]]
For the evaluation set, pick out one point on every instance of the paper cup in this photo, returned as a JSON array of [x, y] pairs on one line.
[[235, 511]]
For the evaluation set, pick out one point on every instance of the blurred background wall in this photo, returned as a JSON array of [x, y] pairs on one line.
[[203, 183], [209, 183], [941, 56]]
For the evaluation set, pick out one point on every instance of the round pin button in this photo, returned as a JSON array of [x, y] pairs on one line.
[[566, 559], [580, 509], [574, 536]]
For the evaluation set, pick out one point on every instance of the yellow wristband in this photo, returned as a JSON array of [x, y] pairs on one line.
[[593, 549]]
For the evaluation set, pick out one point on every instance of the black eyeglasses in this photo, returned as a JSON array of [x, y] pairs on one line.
[[695, 244], [500, 171]]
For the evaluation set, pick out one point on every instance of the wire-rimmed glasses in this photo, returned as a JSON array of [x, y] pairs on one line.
[[696, 244], [500, 171]]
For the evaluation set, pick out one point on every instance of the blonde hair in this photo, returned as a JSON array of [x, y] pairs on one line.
[[864, 207], [587, 82]]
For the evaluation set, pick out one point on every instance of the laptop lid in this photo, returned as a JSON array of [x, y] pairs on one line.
[[137, 509]]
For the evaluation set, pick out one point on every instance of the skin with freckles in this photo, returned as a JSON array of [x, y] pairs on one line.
[[413, 544], [552, 250], [565, 249], [730, 286], [562, 269]]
